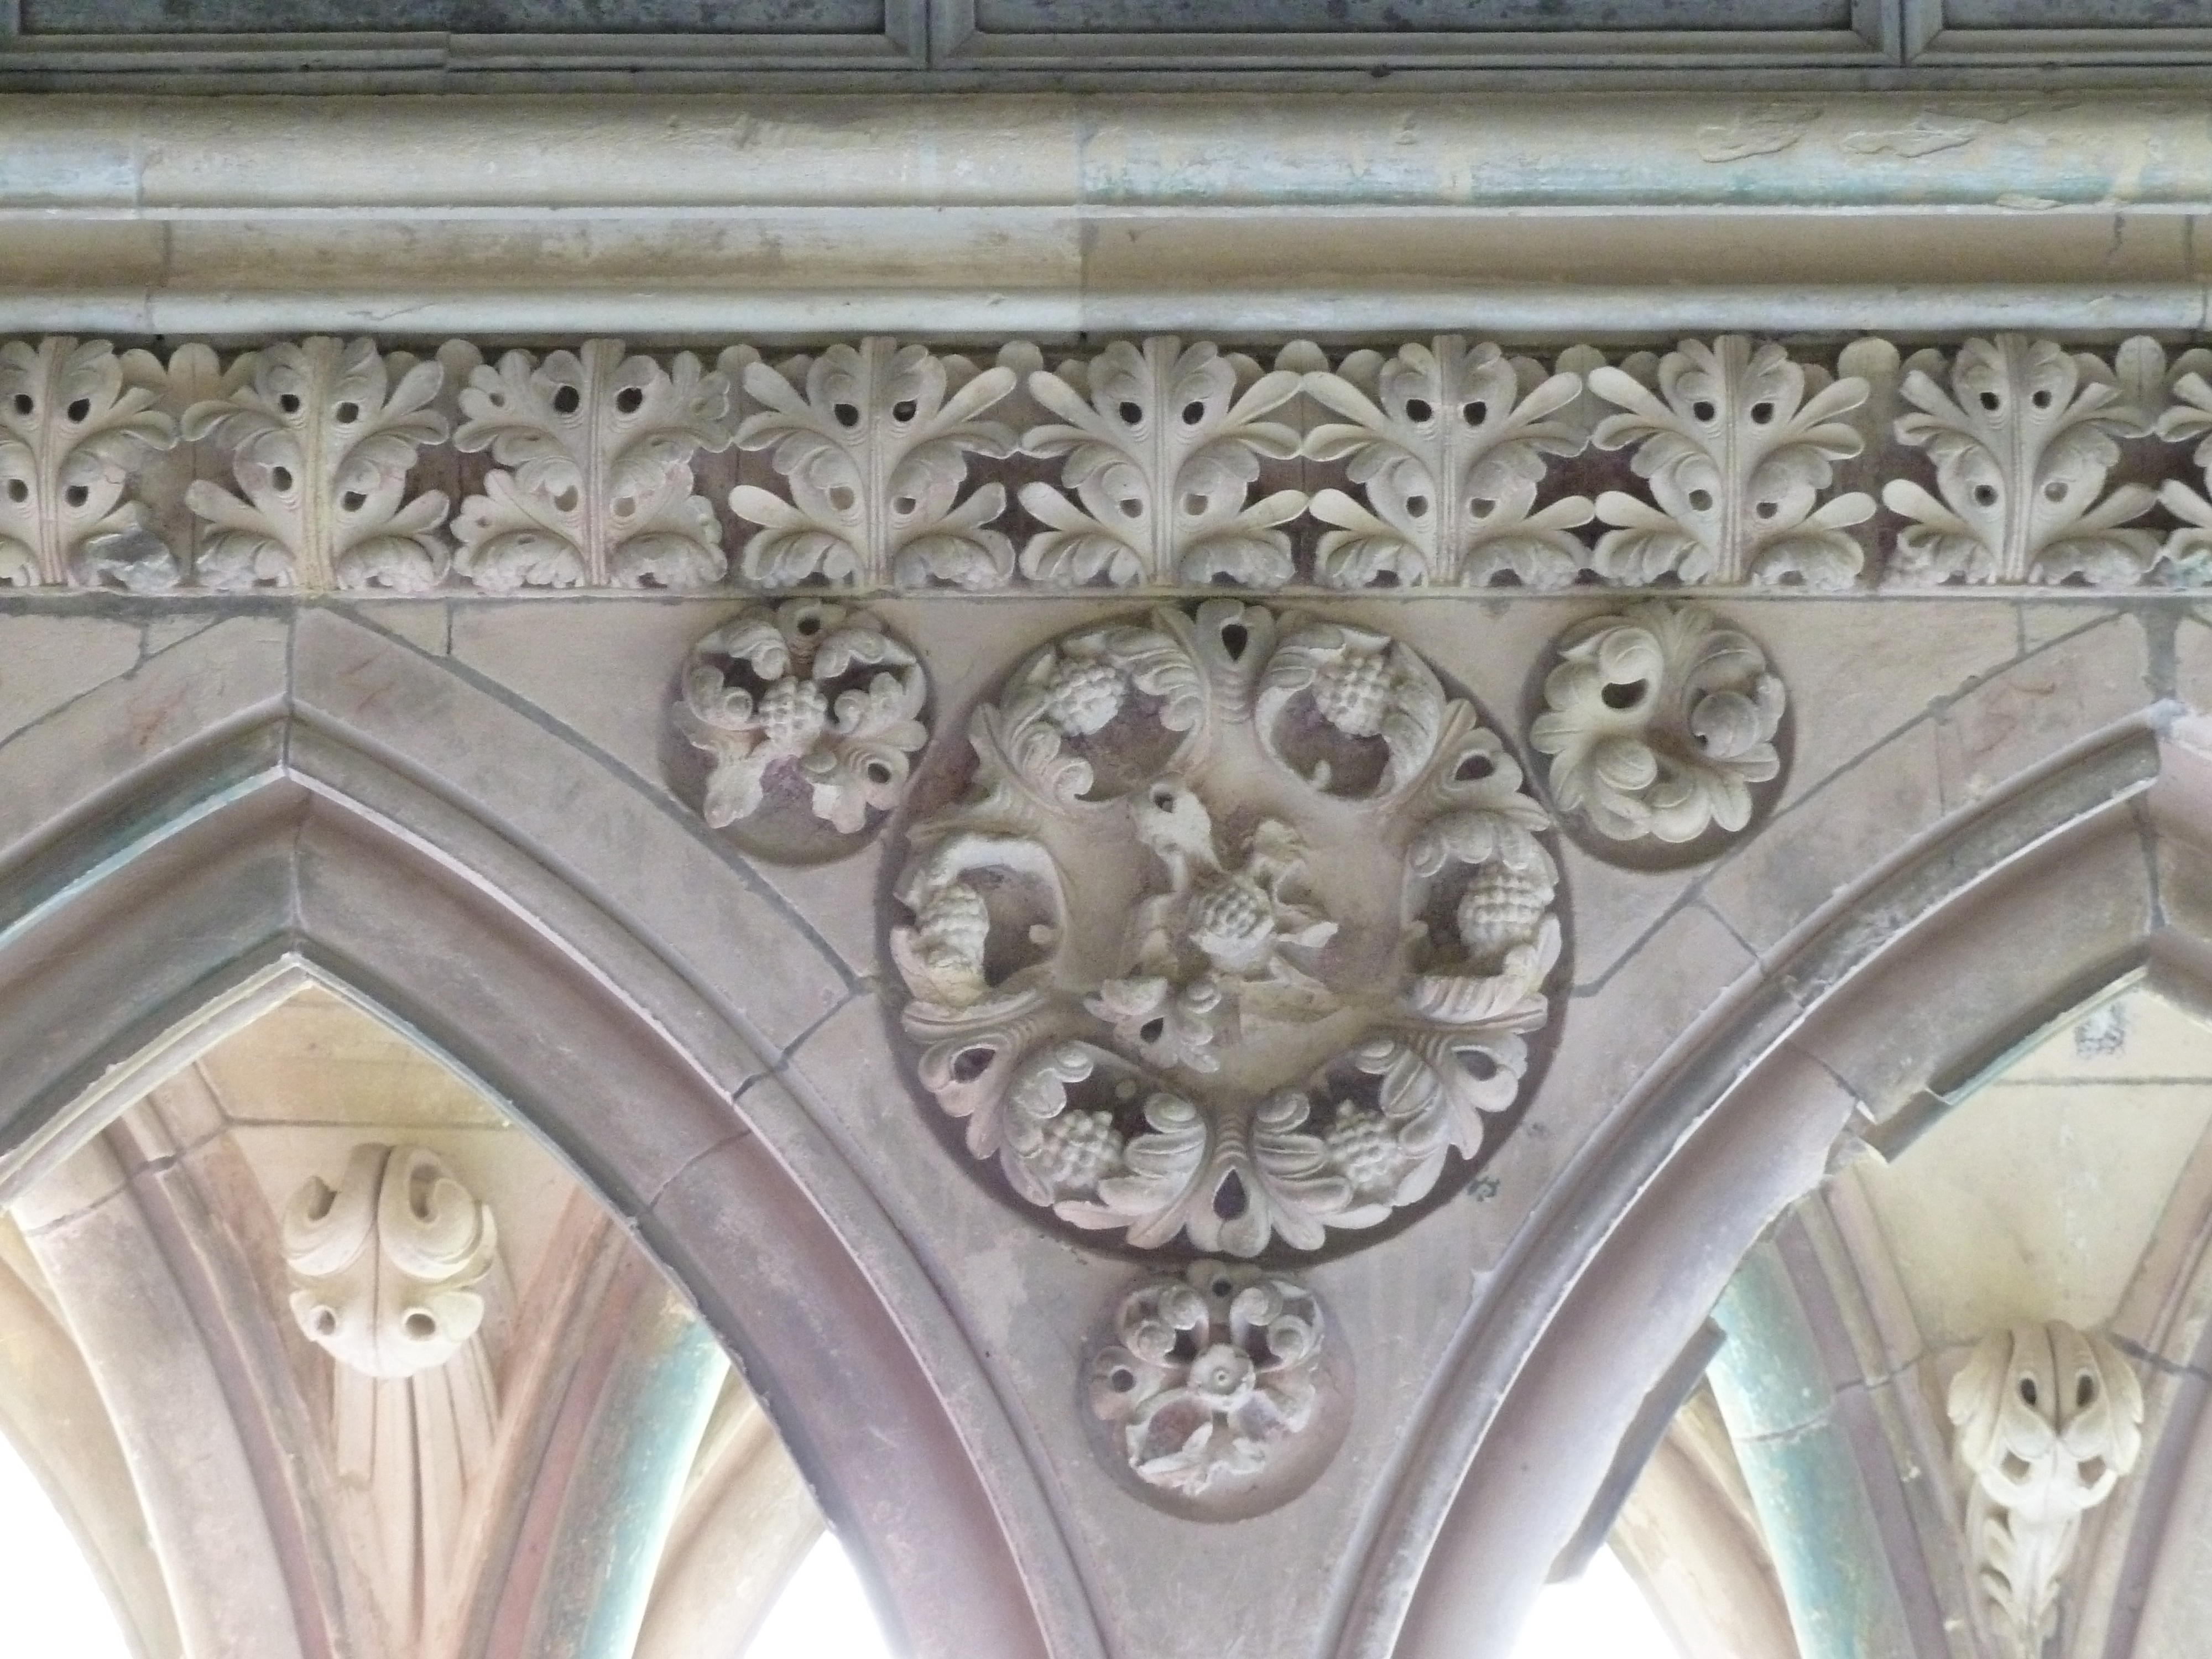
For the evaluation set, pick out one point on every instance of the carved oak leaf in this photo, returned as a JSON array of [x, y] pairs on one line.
[[1738, 446], [1161, 458], [72, 434], [1449, 443], [321, 443], [2021, 445], [599, 493], [875, 449]]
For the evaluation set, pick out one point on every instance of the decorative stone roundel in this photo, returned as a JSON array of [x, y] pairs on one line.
[[1214, 1389], [813, 697], [1658, 721], [1236, 936]]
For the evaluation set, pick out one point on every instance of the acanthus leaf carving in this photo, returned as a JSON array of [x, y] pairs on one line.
[[2022, 444], [1237, 935], [387, 1271], [321, 443], [1447, 442], [1212, 1381], [818, 689], [2048, 1420], [1162, 443], [597, 487], [874, 442], [1659, 719], [1738, 444], [74, 425]]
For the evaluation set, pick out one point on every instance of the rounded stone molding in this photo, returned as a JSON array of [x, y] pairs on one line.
[[809, 713], [1661, 723], [1219, 1389], [1236, 936]]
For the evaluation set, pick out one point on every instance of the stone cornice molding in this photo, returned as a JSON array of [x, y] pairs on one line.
[[1163, 465], [790, 217]]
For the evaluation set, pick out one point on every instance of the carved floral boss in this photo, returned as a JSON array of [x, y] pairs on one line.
[[1236, 935]]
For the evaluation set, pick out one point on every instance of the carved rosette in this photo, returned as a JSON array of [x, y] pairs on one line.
[[1659, 720], [1236, 937], [2049, 1419], [1212, 1385], [813, 695]]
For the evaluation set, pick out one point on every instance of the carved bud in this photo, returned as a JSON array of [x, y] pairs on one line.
[[383, 1266]]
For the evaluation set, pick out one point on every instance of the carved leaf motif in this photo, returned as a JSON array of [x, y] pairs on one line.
[[2048, 1420], [599, 493], [321, 443], [2022, 443], [1658, 721], [2185, 412], [875, 448], [72, 433], [1162, 445], [1738, 445], [1449, 444]]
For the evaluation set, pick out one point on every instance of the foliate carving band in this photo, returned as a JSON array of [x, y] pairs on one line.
[[1237, 935], [1163, 463]]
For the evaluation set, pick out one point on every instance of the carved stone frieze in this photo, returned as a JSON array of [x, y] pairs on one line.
[[1236, 936], [813, 695], [1214, 1388], [2048, 1420], [1659, 720], [1153, 464]]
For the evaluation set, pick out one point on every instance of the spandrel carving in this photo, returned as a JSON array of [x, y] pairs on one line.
[[1659, 721], [810, 700], [1238, 935], [1215, 1389]]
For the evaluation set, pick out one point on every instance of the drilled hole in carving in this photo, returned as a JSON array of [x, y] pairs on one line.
[[1193, 504], [347, 413], [567, 400], [76, 495], [623, 506], [353, 500], [420, 1325], [970, 1064], [1701, 501], [325, 1321], [1767, 509], [1418, 506], [1131, 415], [630, 400], [289, 403], [1234, 637], [904, 505], [1131, 508], [2092, 1470], [2040, 397], [2085, 1391], [1121, 1379], [1418, 409], [1704, 409], [565, 500], [1762, 413], [2015, 1467], [842, 498], [282, 478], [1991, 402], [1624, 693], [2054, 491], [23, 404], [1482, 507], [79, 409], [904, 411], [848, 414], [1476, 1064], [1474, 769], [808, 625], [1230, 1199], [18, 491], [1192, 413], [2027, 1389], [1474, 413], [878, 772], [1222, 1286], [1985, 495]]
